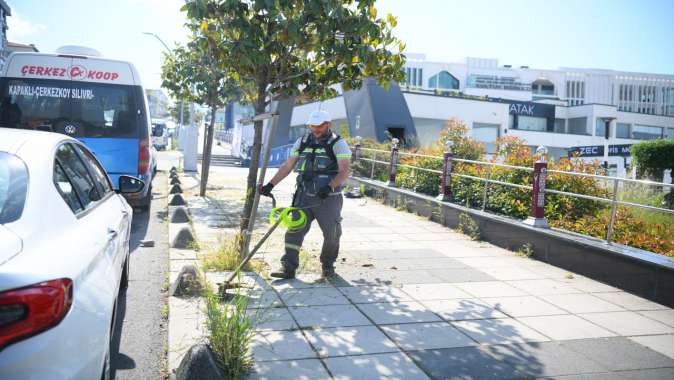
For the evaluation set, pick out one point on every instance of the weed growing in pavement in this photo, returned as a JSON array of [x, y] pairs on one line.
[[400, 204], [468, 226], [309, 263], [225, 257], [193, 245], [165, 285], [165, 312], [230, 334], [569, 276], [527, 250]]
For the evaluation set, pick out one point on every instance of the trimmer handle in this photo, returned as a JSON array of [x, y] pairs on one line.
[[273, 200]]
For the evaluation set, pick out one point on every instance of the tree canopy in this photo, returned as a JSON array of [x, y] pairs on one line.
[[277, 49], [653, 157]]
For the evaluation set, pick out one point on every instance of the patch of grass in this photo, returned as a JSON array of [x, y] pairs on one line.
[[165, 312], [527, 250], [309, 263], [569, 276], [230, 333], [468, 226], [227, 257], [193, 245], [165, 285], [400, 204]]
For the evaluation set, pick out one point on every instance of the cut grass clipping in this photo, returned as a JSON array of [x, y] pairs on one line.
[[230, 334], [227, 257]]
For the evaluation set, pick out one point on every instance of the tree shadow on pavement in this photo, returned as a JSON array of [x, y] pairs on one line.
[[501, 348]]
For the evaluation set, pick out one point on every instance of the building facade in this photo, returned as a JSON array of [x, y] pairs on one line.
[[567, 110], [157, 103]]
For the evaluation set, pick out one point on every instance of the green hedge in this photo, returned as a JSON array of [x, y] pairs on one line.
[[572, 213]]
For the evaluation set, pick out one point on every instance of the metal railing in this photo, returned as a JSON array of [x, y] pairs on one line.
[[224, 135], [538, 188]]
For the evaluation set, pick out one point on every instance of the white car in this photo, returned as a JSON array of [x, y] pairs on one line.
[[64, 256]]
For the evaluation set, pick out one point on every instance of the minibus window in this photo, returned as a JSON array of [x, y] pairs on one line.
[[78, 109]]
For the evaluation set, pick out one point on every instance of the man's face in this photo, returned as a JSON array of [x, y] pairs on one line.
[[320, 130]]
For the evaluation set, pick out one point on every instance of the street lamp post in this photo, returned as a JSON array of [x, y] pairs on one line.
[[169, 51], [607, 136]]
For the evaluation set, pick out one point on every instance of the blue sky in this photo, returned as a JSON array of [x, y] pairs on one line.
[[625, 35]]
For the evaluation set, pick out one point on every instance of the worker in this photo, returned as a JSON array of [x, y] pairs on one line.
[[321, 158]]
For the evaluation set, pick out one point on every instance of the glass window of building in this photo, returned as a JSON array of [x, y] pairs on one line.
[[420, 77], [542, 86], [600, 129], [646, 132], [670, 133], [529, 123], [486, 134], [560, 125], [557, 153], [444, 81], [622, 130], [577, 126]]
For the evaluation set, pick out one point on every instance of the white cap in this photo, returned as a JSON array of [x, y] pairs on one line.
[[319, 117]]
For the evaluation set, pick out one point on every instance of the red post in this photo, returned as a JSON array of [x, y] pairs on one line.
[[446, 185], [537, 216], [393, 168]]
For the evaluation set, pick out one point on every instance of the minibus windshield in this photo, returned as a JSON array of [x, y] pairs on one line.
[[78, 109]]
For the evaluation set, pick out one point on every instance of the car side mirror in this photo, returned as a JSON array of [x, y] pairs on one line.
[[128, 184]]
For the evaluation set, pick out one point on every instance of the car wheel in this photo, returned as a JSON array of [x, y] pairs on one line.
[[145, 204], [125, 275]]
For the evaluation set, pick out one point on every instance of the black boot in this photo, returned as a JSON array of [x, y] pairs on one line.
[[328, 273], [283, 273]]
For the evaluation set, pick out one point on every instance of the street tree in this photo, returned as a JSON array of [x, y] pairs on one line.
[[191, 73], [297, 48], [174, 112], [652, 158]]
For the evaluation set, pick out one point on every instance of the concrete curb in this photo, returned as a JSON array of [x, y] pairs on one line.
[[185, 330], [199, 364], [177, 200], [179, 214]]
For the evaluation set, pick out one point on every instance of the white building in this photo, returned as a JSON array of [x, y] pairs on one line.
[[560, 109]]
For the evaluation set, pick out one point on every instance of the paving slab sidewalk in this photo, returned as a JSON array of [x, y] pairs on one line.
[[415, 300]]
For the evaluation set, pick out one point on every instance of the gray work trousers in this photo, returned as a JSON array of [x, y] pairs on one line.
[[328, 214]]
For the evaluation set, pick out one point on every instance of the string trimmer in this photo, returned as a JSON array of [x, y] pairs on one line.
[[277, 216]]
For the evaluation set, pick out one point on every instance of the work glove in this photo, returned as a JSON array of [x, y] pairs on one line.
[[324, 191], [266, 189]]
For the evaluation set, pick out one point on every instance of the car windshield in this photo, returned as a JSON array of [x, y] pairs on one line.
[[78, 109], [158, 130], [13, 187]]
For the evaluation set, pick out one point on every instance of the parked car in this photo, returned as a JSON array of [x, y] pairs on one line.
[[97, 100], [160, 135], [64, 256]]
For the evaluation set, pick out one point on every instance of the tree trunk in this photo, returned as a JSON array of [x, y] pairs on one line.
[[206, 156], [252, 170]]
